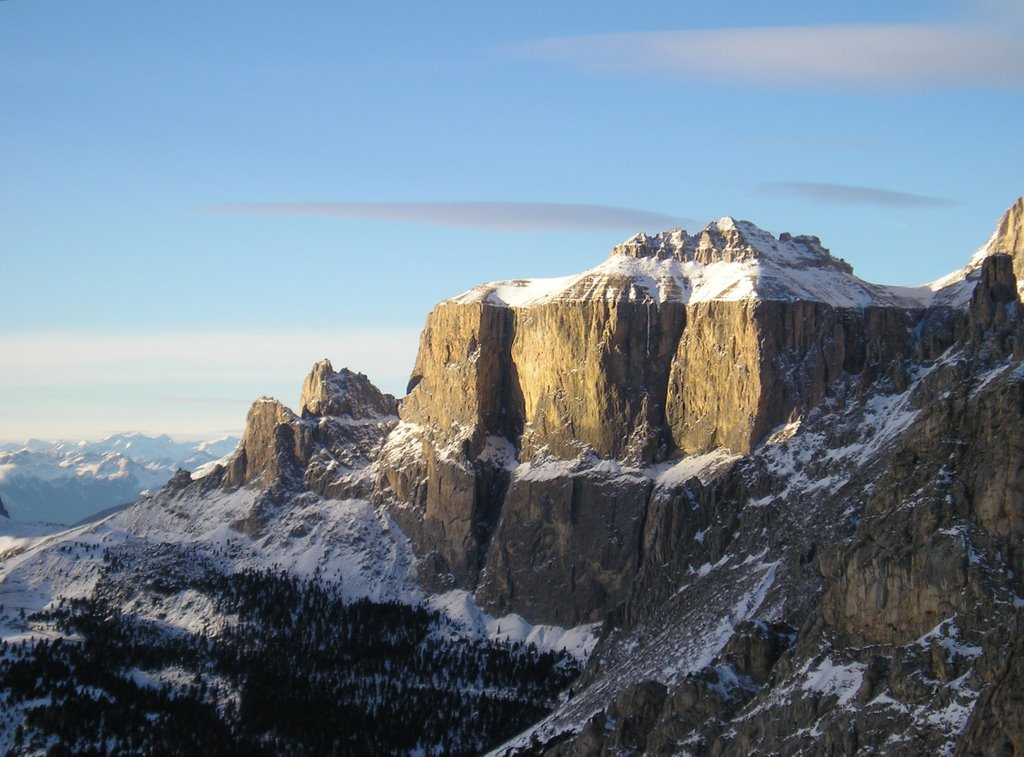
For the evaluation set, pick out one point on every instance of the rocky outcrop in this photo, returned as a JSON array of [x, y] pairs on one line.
[[343, 394], [462, 384], [1009, 238], [275, 444], [328, 449]]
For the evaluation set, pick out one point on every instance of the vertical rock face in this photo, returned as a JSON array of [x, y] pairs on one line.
[[462, 398], [566, 546], [593, 376], [462, 387], [1009, 238], [743, 368]]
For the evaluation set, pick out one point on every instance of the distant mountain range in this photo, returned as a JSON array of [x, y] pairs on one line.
[[65, 482]]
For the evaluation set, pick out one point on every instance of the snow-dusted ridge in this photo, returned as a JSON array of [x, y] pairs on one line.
[[728, 260]]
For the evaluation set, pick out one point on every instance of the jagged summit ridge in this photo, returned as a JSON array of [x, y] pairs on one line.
[[728, 260], [728, 240]]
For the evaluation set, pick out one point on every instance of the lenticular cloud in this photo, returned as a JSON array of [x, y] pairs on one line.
[[497, 216]]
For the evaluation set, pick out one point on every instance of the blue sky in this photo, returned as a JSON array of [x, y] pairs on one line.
[[198, 200]]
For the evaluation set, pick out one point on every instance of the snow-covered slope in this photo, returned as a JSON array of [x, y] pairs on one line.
[[199, 595]]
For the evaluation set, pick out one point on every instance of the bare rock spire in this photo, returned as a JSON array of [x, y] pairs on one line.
[[329, 392]]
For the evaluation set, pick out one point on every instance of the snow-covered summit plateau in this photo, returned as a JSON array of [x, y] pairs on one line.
[[727, 260]]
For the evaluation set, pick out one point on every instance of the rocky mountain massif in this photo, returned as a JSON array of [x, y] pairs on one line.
[[791, 498]]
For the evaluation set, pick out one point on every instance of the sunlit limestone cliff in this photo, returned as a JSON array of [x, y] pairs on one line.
[[676, 346]]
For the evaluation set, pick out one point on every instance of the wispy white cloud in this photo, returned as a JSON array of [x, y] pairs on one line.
[[982, 52], [844, 194], [491, 216]]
